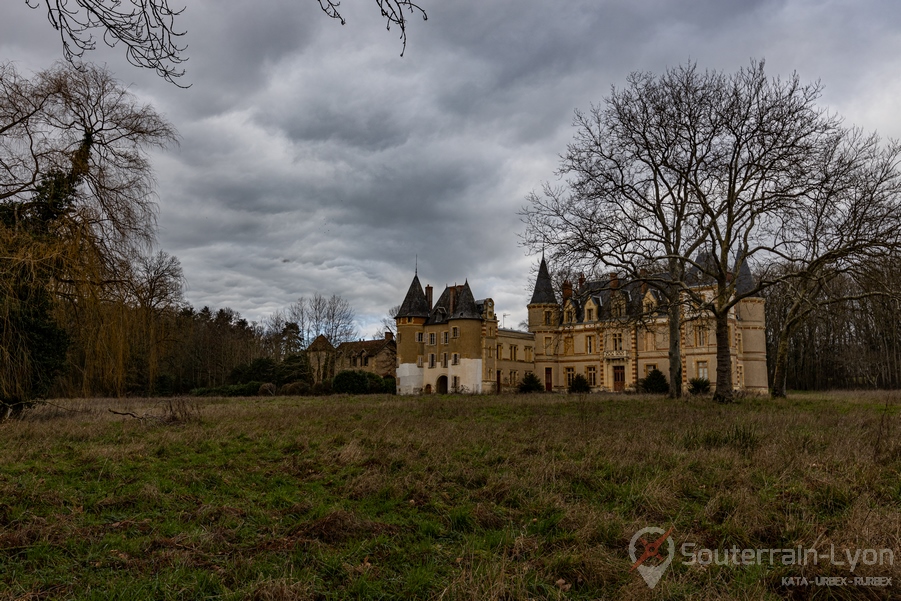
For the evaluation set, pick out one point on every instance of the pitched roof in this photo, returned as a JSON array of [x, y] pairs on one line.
[[372, 347], [544, 288], [320, 344], [415, 303], [456, 302]]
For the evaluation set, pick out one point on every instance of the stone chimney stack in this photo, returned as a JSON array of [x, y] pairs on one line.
[[453, 299], [581, 281], [567, 290], [389, 336], [614, 281], [428, 295]]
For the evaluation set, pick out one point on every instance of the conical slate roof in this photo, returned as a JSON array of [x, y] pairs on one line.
[[415, 303], [544, 288]]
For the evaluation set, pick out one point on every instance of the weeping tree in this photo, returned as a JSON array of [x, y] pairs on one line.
[[75, 203]]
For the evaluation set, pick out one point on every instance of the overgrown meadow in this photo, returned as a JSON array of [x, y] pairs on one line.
[[442, 497]]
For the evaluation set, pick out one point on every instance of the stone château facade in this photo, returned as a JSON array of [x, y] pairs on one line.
[[607, 331]]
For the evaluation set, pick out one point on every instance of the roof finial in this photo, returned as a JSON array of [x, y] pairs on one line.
[[416, 270]]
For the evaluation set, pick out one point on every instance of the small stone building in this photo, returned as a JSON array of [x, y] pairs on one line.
[[376, 356]]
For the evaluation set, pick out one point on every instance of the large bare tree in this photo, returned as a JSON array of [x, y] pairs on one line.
[[148, 28], [711, 175]]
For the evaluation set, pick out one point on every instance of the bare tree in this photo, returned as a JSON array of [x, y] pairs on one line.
[[148, 30], [332, 317], [711, 175], [389, 322], [626, 204]]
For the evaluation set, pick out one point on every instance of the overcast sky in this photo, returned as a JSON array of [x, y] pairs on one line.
[[314, 158]]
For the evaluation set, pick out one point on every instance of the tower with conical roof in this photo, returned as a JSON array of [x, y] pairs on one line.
[[410, 320], [544, 312]]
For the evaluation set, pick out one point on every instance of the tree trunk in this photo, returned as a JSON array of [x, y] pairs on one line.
[[675, 349], [780, 366], [724, 392]]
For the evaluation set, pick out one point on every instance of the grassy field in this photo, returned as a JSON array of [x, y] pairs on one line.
[[442, 497]]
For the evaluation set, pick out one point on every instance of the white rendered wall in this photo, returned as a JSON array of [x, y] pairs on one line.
[[409, 379], [470, 373]]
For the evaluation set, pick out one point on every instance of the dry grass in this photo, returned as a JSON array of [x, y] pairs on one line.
[[457, 497]]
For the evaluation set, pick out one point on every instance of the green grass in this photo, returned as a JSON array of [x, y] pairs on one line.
[[440, 497]]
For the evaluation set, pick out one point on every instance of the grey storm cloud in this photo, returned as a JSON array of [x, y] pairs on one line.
[[313, 158]]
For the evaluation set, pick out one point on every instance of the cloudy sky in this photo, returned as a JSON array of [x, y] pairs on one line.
[[314, 158]]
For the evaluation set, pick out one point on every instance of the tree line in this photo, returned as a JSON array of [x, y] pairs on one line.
[[88, 305]]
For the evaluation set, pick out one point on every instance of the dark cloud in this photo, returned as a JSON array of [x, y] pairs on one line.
[[315, 159]]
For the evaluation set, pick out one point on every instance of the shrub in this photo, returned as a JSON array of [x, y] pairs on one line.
[[249, 389], [322, 388], [374, 383], [699, 386], [530, 383], [351, 382], [267, 389], [295, 389], [655, 383], [389, 385], [579, 385]]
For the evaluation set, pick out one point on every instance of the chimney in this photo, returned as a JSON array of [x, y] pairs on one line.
[[428, 295], [614, 281], [567, 290], [643, 274], [389, 336], [453, 298], [581, 280]]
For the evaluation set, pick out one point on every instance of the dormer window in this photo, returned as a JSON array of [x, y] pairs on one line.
[[589, 314], [569, 316]]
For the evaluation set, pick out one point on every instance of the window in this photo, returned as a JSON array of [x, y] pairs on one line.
[[547, 318], [432, 337], [649, 368], [365, 361], [616, 341], [618, 310], [548, 344], [701, 335], [649, 342], [570, 375], [455, 359], [443, 359], [443, 337], [418, 336], [529, 356], [591, 374], [455, 332], [419, 361], [514, 377], [514, 352], [431, 360], [500, 351], [702, 370], [589, 315], [589, 344], [569, 316], [456, 383]]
